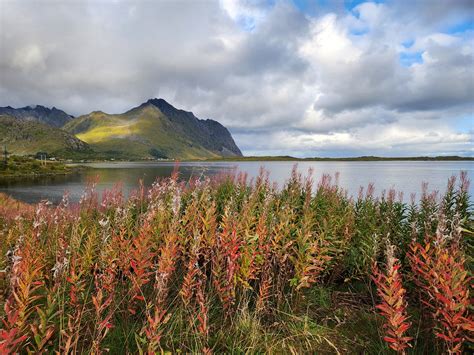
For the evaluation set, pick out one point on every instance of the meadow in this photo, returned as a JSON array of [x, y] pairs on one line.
[[226, 264]]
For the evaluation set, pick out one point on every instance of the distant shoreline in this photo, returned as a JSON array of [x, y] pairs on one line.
[[362, 158], [69, 167], [282, 158]]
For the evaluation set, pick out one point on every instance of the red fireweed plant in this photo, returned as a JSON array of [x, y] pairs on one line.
[[393, 306], [234, 264], [439, 268]]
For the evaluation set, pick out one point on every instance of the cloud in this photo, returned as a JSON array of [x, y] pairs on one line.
[[365, 80], [246, 13]]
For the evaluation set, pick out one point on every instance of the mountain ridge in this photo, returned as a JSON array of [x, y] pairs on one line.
[[157, 129], [50, 116], [28, 137], [210, 127], [154, 129]]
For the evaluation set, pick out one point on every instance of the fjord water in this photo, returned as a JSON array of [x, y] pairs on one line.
[[404, 176]]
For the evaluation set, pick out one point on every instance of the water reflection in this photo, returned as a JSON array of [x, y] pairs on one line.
[[403, 176]]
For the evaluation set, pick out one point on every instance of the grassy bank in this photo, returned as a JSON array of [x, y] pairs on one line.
[[26, 167], [226, 265]]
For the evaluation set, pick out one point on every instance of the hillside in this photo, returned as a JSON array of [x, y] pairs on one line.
[[29, 137], [155, 129], [50, 116]]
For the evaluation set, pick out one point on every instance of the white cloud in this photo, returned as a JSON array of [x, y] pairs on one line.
[[246, 12], [284, 82], [29, 58]]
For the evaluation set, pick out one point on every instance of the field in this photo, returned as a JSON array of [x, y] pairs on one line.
[[237, 266]]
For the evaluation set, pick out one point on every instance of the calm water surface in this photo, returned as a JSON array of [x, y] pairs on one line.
[[402, 175]]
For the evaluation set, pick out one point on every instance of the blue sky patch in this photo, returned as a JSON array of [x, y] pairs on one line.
[[350, 4], [407, 59], [465, 124], [359, 32], [312, 7], [246, 23], [408, 43], [460, 27]]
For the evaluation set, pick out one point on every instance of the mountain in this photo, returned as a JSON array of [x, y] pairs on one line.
[[154, 129], [50, 116], [23, 137]]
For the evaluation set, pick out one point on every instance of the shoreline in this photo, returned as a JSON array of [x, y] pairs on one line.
[[267, 158], [34, 174], [362, 158], [330, 160], [28, 169]]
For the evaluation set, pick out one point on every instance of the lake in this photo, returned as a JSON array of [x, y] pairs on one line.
[[406, 176]]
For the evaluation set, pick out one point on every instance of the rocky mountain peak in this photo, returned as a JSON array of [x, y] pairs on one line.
[[51, 116]]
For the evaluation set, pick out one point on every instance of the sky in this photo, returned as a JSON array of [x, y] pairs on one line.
[[286, 77]]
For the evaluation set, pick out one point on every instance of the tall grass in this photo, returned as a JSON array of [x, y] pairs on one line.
[[233, 265]]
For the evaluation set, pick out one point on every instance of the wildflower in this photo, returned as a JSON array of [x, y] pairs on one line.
[[104, 222], [176, 202], [441, 273], [60, 267], [393, 306]]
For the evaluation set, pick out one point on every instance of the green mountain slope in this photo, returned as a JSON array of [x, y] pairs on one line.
[[153, 129], [29, 137]]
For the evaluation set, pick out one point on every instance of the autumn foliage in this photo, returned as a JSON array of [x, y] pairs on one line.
[[393, 306], [440, 270], [229, 264]]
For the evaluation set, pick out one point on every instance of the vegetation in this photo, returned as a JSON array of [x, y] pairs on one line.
[[19, 166], [28, 137], [153, 130], [154, 126], [229, 265], [133, 135]]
